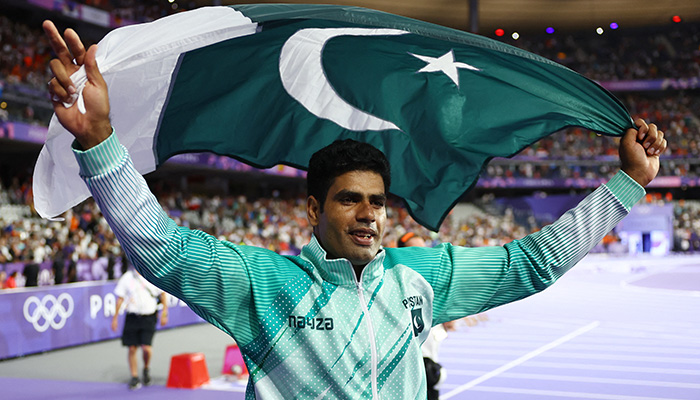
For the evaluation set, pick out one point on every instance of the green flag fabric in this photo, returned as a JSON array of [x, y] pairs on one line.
[[440, 103]]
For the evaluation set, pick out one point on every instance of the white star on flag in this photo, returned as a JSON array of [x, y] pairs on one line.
[[446, 64]]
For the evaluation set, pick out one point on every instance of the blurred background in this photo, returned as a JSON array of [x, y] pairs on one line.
[[647, 52]]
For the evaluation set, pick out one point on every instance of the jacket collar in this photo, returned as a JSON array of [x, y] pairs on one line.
[[339, 271]]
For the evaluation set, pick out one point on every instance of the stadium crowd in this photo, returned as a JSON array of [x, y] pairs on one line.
[[24, 54], [280, 224], [624, 54], [140, 10], [273, 222]]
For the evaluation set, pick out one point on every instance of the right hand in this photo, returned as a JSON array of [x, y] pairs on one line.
[[94, 126], [115, 323]]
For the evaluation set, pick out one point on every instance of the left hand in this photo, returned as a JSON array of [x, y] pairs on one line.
[[640, 150]]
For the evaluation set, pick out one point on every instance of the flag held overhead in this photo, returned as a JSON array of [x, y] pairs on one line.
[[272, 84]]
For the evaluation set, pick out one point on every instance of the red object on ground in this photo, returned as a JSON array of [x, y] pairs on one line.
[[188, 370], [233, 362]]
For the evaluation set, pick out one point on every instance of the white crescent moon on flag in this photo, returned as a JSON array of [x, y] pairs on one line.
[[303, 77]]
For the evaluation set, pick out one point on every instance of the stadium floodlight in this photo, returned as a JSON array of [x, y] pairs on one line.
[[515, 36], [599, 31]]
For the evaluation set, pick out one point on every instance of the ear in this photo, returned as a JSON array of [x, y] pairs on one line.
[[313, 211]]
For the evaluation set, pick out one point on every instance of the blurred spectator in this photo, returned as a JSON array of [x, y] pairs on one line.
[[11, 281], [72, 275], [686, 226], [31, 274], [58, 267], [110, 267]]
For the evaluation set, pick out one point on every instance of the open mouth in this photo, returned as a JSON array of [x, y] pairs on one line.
[[363, 237]]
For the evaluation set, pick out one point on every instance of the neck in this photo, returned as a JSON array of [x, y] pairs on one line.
[[358, 271]]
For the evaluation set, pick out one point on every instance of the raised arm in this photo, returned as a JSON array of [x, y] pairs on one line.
[[470, 280], [208, 274], [92, 127]]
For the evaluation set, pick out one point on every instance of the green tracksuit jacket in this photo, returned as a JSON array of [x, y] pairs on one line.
[[309, 328]]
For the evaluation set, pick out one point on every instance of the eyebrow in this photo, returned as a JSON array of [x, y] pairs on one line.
[[378, 197], [357, 195]]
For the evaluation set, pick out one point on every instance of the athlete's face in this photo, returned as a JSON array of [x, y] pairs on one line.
[[351, 224]]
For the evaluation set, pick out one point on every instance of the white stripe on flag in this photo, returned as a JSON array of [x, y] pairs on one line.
[[133, 59]]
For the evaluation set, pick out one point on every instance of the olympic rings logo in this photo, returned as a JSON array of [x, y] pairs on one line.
[[44, 312]]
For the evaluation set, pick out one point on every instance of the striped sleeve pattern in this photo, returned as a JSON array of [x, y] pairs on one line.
[[472, 280], [208, 274]]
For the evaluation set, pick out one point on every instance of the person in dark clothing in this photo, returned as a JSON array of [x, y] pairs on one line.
[[110, 267], [72, 272], [31, 275], [58, 267]]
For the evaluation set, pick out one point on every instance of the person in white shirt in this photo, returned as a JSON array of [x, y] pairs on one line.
[[140, 299]]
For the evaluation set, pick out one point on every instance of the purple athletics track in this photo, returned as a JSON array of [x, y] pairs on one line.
[[612, 329]]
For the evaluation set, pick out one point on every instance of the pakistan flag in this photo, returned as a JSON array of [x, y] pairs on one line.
[[272, 84]]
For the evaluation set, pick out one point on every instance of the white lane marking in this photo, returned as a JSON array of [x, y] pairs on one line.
[[469, 346], [588, 367], [560, 394], [587, 379], [521, 360]]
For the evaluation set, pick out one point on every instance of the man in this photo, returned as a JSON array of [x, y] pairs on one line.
[[141, 300], [345, 319]]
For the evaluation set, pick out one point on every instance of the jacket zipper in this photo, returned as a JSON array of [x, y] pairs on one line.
[[372, 341]]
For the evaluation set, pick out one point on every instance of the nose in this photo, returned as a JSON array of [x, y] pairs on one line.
[[365, 213]]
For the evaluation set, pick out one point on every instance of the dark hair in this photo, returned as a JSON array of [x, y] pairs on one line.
[[340, 157]]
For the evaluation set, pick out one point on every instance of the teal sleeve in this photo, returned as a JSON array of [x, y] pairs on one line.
[[210, 275], [471, 280]]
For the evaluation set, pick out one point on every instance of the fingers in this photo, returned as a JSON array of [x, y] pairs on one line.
[[651, 138], [658, 145], [68, 48], [57, 43], [91, 70], [75, 45], [61, 86], [643, 128]]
